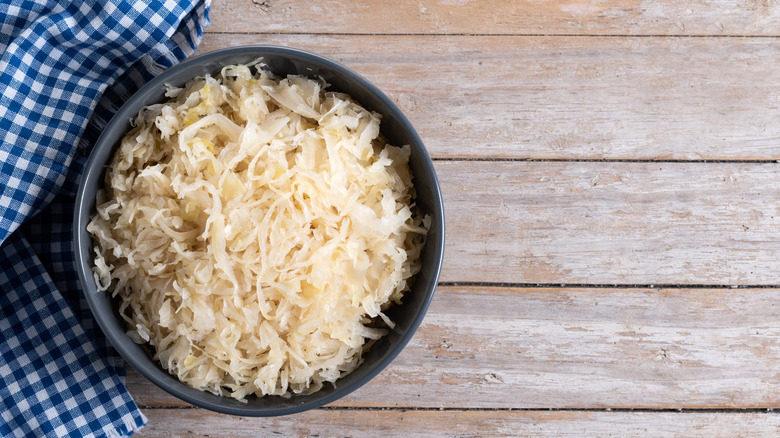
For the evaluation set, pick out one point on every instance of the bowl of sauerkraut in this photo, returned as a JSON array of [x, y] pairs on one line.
[[259, 231]]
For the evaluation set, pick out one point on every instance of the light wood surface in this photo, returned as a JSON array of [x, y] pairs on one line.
[[466, 424], [541, 348], [564, 97], [516, 17], [610, 177]]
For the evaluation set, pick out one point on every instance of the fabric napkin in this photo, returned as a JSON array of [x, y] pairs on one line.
[[65, 68]]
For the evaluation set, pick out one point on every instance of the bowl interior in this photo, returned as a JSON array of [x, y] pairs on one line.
[[395, 127]]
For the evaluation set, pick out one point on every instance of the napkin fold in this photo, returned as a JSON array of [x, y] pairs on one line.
[[65, 68]]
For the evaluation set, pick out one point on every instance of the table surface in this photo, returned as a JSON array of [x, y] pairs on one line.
[[609, 172]]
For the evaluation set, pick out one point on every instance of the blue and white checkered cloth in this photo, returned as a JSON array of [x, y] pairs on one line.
[[66, 67]]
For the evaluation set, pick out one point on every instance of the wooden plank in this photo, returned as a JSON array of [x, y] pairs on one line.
[[527, 348], [192, 423], [611, 222], [569, 97], [580, 17]]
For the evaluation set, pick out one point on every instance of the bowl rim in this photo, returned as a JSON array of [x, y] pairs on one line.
[[81, 215]]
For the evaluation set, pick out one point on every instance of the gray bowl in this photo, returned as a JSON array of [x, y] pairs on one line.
[[395, 127]]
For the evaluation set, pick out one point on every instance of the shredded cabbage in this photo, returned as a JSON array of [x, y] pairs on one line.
[[255, 229]]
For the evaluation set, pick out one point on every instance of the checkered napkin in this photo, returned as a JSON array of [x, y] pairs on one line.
[[65, 68]]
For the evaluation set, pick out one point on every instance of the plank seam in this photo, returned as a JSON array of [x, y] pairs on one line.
[[603, 160], [604, 285], [600, 410], [520, 35], [619, 410]]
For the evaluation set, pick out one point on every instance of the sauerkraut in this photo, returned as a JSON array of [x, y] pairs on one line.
[[254, 229]]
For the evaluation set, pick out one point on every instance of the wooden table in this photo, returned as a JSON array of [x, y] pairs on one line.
[[610, 177]]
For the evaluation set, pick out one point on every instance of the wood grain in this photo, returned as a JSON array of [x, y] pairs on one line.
[[569, 97], [580, 17], [529, 348], [192, 423], [611, 223]]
